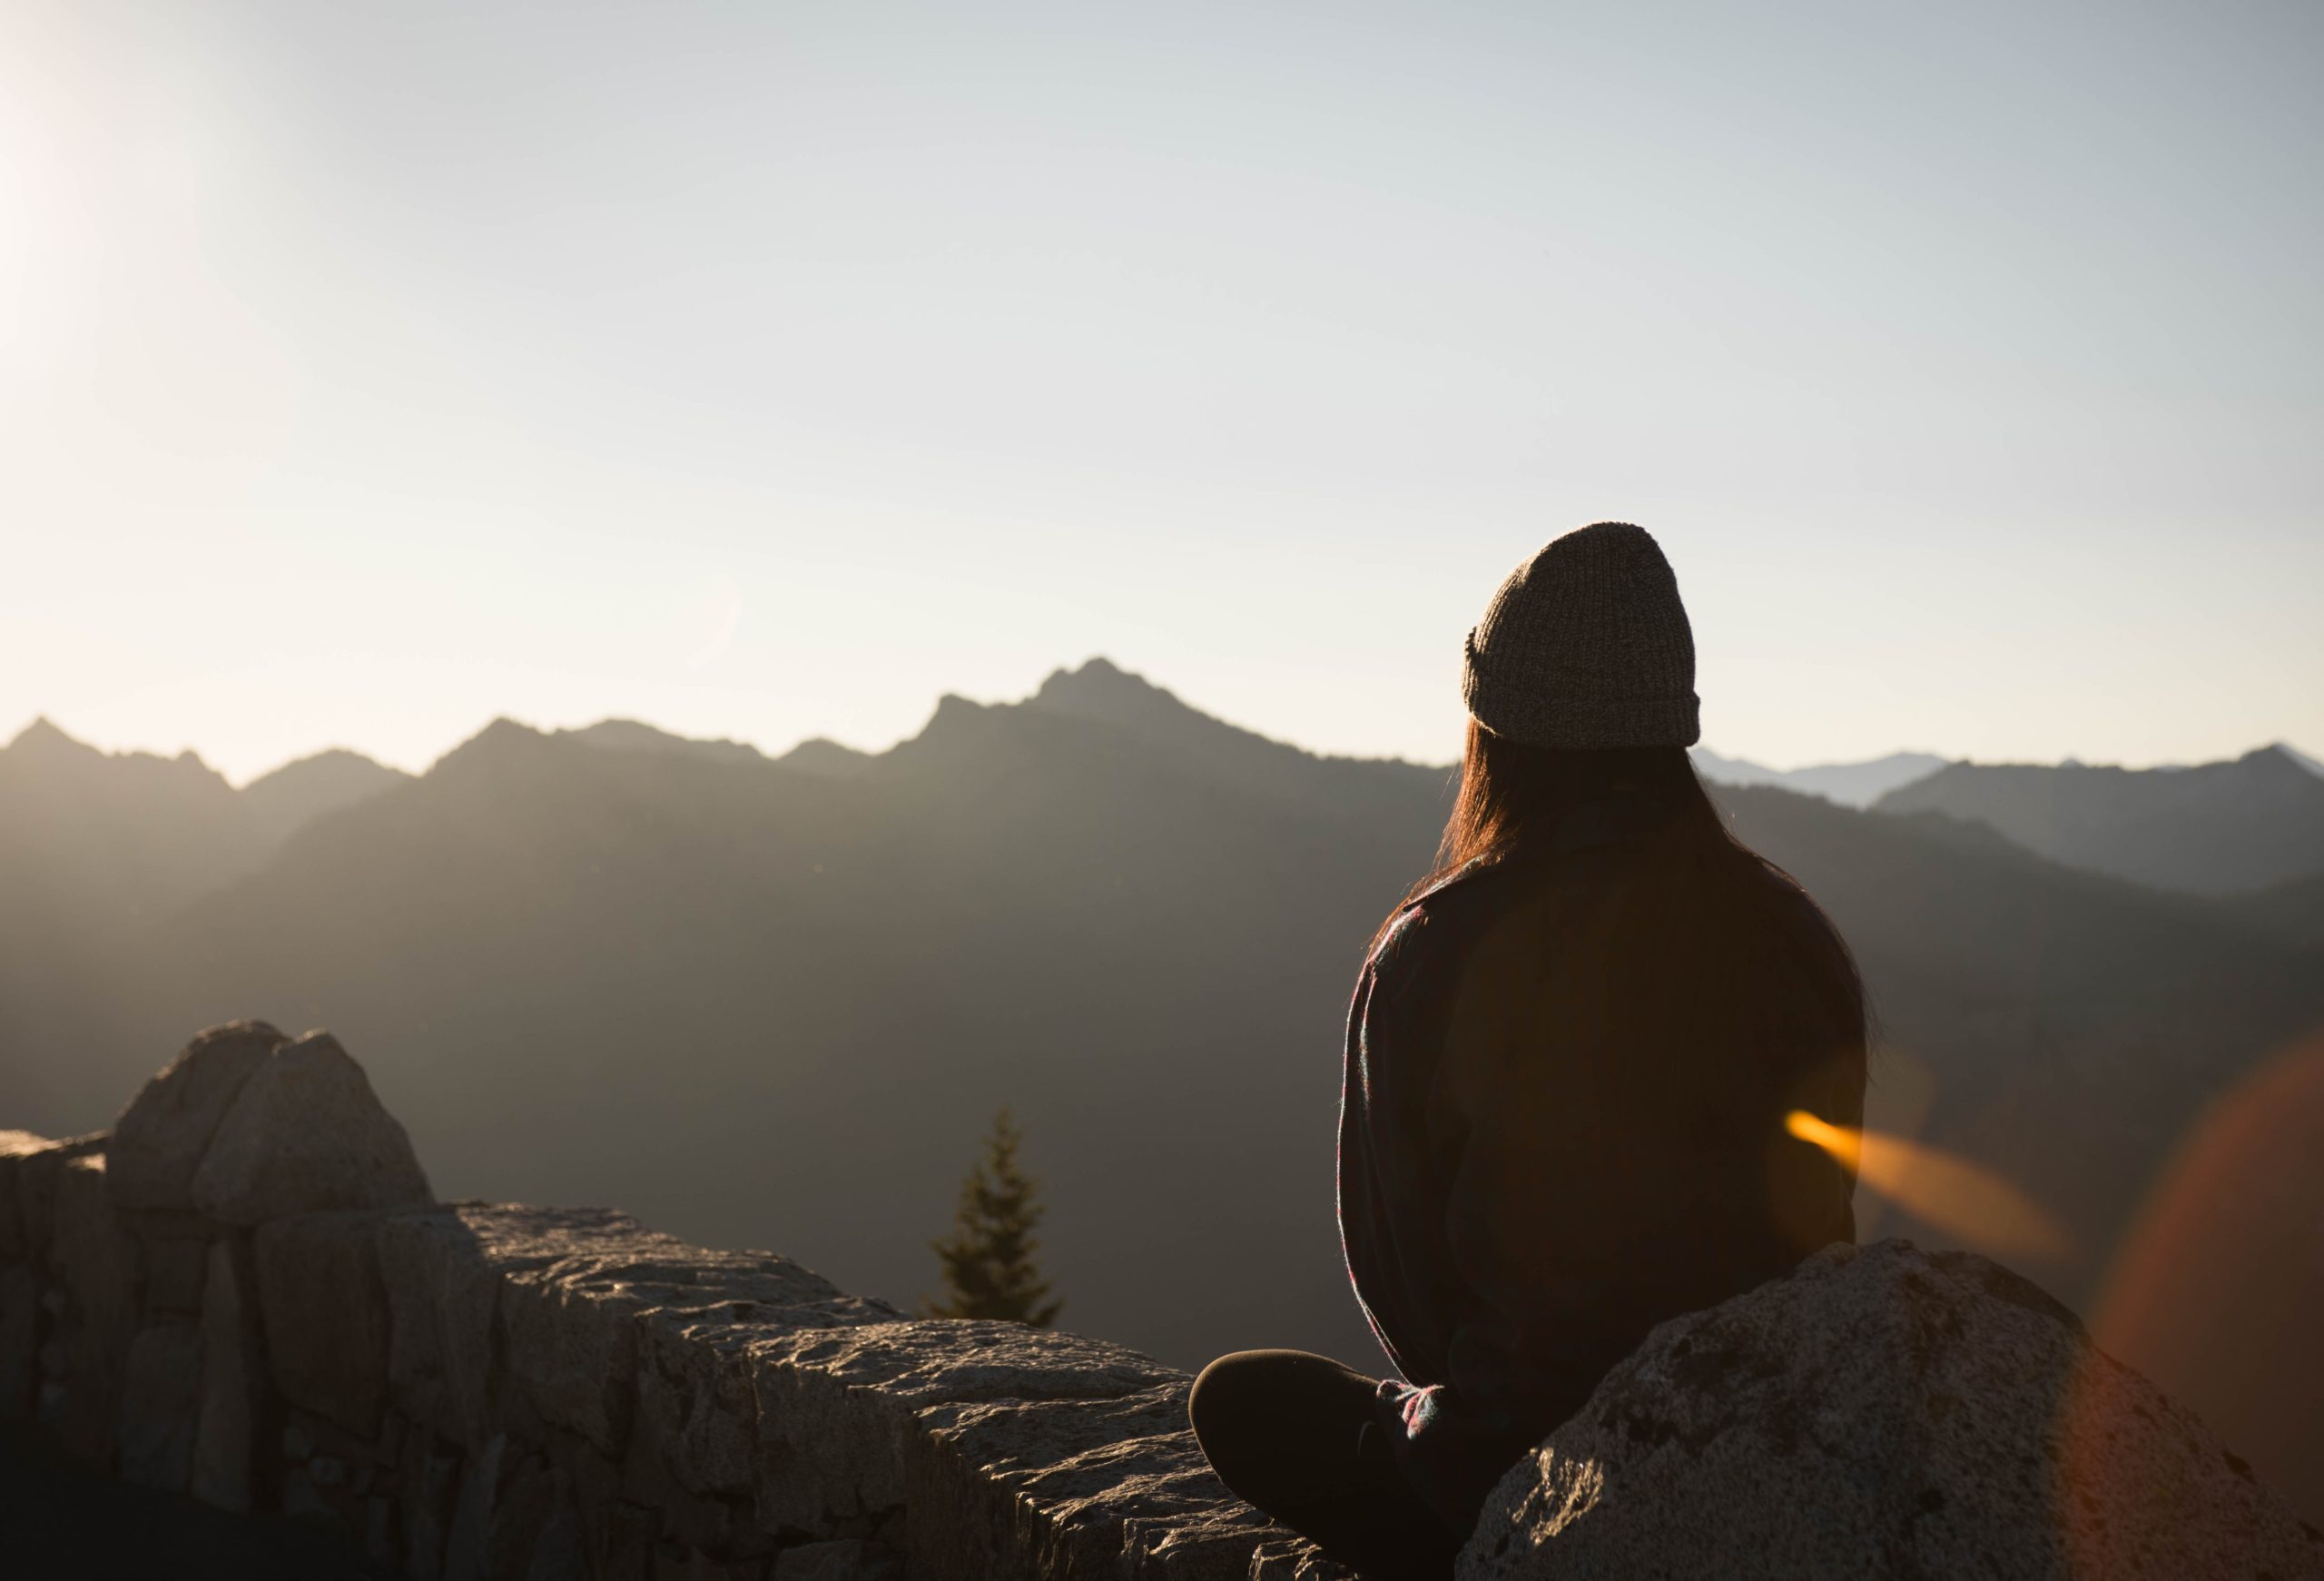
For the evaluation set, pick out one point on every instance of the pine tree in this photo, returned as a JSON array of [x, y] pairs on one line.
[[988, 1260]]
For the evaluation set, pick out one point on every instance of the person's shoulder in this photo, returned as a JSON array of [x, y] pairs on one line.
[[1799, 932], [1786, 906], [1436, 922]]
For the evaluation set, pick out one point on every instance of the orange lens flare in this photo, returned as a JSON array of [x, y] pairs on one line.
[[1972, 1205]]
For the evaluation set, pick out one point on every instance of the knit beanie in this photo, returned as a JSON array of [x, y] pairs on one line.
[[1586, 645]]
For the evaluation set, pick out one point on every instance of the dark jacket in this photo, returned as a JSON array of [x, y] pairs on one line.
[[1543, 1153]]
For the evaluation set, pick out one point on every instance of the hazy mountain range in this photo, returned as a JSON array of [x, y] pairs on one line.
[[2215, 829], [1852, 785], [773, 1001]]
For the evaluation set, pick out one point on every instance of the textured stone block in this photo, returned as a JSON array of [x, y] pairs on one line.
[[625, 1544], [431, 1487], [557, 1552], [443, 1294], [843, 1559], [530, 1497], [161, 1399], [380, 1531], [15, 1244], [226, 1423], [162, 1136], [1882, 1411], [1292, 1557], [472, 1511], [836, 1405], [19, 1339], [34, 1165], [325, 1315], [573, 1348], [95, 1262], [1071, 1488], [174, 1266], [573, 1320], [306, 1134], [697, 1411]]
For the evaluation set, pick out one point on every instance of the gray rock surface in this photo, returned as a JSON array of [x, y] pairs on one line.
[[174, 1265], [94, 1261], [226, 1423], [442, 1272], [306, 1134], [19, 1339], [29, 1167], [161, 1398], [696, 1413], [847, 1560], [573, 1325], [836, 1408], [162, 1136], [324, 1313], [1073, 1489], [15, 1146], [478, 1390], [1885, 1412]]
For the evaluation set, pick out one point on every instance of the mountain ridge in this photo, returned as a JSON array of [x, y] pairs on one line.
[[1101, 906], [2212, 828], [637, 735], [765, 1003]]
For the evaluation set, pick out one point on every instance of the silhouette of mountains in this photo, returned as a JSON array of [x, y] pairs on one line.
[[1852, 785], [629, 736], [2293, 911], [297, 794], [774, 1002], [2213, 829]]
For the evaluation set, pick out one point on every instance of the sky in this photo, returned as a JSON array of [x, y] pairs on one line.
[[370, 370]]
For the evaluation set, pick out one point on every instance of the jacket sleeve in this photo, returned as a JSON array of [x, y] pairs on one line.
[[1518, 1112], [1587, 1197]]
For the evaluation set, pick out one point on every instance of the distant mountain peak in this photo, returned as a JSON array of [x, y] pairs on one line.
[[43, 738], [2302, 758], [2206, 828], [1100, 689], [633, 736], [1853, 784], [2278, 754], [290, 797], [821, 755], [950, 717], [499, 739]]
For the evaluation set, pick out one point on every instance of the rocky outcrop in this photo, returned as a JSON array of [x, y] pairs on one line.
[[1885, 1411], [158, 1142], [306, 1133], [245, 1294]]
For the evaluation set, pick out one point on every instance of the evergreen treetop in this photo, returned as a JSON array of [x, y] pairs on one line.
[[988, 1264]]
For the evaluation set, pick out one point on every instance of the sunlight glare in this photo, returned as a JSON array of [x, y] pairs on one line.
[[1972, 1205]]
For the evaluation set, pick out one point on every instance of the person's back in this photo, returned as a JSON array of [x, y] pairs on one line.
[[1569, 1059]]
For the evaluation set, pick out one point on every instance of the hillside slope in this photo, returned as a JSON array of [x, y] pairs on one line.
[[766, 1005], [2216, 829], [1852, 785]]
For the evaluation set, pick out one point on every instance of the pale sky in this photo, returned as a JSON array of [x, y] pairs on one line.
[[760, 369]]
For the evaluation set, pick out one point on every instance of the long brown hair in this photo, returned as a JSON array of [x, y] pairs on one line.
[[1510, 791], [1691, 874], [1682, 976]]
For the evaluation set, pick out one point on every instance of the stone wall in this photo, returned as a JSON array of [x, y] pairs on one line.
[[245, 1292]]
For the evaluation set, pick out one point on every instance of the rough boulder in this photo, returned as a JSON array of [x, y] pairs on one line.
[[158, 1143], [1885, 1412], [305, 1133]]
